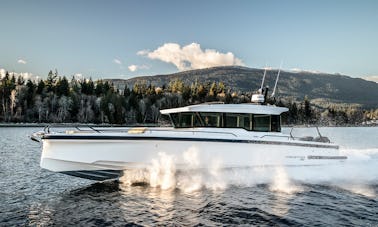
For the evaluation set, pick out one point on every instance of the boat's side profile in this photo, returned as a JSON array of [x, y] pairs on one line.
[[236, 135]]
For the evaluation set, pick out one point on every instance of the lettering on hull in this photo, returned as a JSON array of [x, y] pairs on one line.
[[326, 157]]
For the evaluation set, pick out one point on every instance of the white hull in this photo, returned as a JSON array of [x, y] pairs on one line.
[[122, 151]]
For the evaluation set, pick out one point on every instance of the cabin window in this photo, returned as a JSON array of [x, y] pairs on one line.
[[185, 120], [233, 120], [175, 119], [250, 122], [261, 123], [197, 122], [230, 120], [211, 119], [275, 125]]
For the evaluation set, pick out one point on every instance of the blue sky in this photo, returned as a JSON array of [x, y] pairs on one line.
[[122, 39]]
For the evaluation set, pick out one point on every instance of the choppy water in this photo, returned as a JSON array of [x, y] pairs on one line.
[[335, 195]]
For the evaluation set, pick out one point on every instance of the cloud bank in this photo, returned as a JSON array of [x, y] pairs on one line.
[[25, 75], [134, 68], [191, 56]]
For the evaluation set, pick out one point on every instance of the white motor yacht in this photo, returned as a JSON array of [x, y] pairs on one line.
[[239, 135]]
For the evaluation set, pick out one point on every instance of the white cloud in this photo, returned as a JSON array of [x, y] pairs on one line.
[[143, 52], [117, 61], [191, 56], [134, 68], [21, 61]]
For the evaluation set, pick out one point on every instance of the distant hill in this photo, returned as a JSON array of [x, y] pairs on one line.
[[322, 88]]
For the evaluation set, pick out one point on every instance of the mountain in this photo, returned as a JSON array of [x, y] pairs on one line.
[[321, 88]]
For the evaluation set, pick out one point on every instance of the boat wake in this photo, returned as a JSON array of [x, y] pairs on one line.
[[358, 175], [164, 173]]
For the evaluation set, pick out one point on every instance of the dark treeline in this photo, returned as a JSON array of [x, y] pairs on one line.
[[61, 100]]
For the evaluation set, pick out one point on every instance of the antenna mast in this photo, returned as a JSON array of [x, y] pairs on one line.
[[262, 83], [275, 85]]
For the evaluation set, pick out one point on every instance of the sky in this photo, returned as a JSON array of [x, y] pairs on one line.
[[124, 39]]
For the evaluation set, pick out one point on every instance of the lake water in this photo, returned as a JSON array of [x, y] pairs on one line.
[[344, 195]]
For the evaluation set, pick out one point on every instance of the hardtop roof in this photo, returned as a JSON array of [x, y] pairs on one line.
[[229, 108]]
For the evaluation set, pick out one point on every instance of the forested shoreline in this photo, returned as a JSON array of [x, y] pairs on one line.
[[61, 100]]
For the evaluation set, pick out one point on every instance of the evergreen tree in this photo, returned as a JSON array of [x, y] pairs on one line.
[[99, 90], [62, 87], [41, 86], [307, 109], [126, 91], [31, 90], [51, 81], [58, 100], [20, 80]]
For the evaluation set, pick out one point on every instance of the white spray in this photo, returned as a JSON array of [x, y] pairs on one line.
[[190, 172]]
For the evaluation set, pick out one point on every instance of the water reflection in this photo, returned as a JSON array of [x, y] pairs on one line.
[[40, 215], [169, 207], [116, 203]]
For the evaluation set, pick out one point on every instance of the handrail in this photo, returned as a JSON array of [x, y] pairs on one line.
[[193, 131], [291, 135], [283, 136], [320, 138], [46, 129], [157, 130]]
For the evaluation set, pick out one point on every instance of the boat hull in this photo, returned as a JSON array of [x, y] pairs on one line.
[[106, 157]]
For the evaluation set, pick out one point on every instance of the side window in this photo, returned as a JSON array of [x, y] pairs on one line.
[[186, 120], [232, 120], [248, 122], [275, 123], [211, 119], [261, 123], [175, 119], [244, 121], [197, 122]]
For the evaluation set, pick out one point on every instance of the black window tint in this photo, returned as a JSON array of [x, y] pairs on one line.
[[255, 122], [175, 119], [247, 122], [186, 120], [211, 119], [261, 123], [197, 122], [230, 120], [275, 123]]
